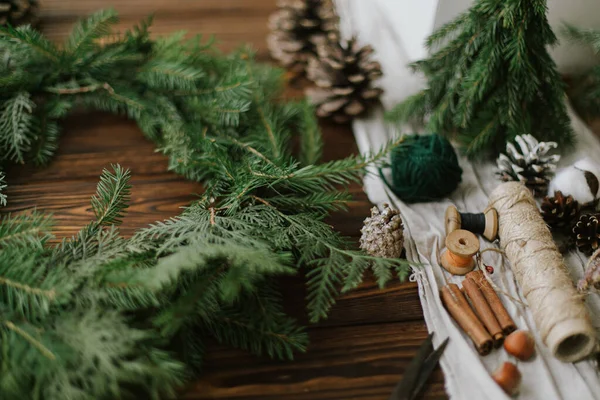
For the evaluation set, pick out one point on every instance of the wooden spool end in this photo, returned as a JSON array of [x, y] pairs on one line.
[[491, 224], [461, 247], [453, 220]]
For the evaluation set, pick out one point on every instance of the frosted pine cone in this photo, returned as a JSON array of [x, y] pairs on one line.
[[529, 164], [382, 233]]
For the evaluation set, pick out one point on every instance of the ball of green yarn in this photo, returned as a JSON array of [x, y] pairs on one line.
[[424, 168]]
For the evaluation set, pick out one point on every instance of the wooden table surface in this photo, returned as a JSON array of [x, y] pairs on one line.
[[360, 352]]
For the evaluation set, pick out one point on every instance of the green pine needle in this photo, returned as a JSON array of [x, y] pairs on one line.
[[102, 316]]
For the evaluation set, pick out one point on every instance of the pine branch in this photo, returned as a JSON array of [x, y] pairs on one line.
[[586, 37], [112, 196], [491, 70], [25, 230], [87, 31], [16, 121], [113, 311]]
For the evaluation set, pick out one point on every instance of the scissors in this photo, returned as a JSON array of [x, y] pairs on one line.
[[419, 369]]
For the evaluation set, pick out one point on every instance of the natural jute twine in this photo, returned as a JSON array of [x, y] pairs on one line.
[[558, 309]]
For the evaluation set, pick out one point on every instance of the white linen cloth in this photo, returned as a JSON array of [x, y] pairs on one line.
[[467, 374]]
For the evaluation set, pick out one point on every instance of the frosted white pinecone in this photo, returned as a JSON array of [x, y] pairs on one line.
[[529, 163], [382, 233]]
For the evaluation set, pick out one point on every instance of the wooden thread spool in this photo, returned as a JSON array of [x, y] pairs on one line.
[[484, 224], [461, 246]]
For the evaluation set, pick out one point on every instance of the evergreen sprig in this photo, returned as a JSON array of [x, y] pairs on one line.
[[585, 88], [101, 316], [490, 78]]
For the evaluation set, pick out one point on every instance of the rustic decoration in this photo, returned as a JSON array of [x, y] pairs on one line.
[[344, 74], [382, 234], [586, 233], [520, 344], [560, 212], [560, 314], [529, 164], [297, 28]]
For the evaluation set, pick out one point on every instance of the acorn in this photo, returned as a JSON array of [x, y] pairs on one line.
[[508, 377], [520, 344]]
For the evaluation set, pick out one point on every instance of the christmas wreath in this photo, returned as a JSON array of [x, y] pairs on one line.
[[101, 316]]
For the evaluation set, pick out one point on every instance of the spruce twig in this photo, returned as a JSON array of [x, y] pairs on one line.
[[114, 311]]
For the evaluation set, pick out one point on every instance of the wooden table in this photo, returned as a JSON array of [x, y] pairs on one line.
[[360, 352]]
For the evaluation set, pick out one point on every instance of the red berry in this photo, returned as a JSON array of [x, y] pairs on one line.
[[489, 269]]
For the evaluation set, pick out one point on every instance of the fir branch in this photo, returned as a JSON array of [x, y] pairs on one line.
[[29, 39], [586, 37], [25, 230], [87, 31], [491, 70], [113, 310], [16, 121], [112, 196]]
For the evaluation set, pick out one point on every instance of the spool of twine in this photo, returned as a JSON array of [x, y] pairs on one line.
[[424, 168], [558, 309], [461, 246]]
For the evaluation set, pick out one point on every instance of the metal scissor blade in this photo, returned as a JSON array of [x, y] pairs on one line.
[[404, 389], [428, 367]]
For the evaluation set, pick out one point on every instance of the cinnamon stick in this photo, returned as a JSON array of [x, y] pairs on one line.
[[458, 307], [483, 310], [505, 321]]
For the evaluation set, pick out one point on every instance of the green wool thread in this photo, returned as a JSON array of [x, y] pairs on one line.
[[424, 168]]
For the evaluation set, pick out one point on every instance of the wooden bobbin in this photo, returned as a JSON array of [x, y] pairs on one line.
[[461, 246], [454, 222]]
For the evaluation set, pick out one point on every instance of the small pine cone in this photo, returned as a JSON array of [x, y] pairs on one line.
[[344, 74], [586, 233], [530, 164], [18, 12], [382, 233], [297, 28], [560, 212]]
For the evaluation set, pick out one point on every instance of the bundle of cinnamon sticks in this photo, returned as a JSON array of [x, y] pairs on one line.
[[485, 319]]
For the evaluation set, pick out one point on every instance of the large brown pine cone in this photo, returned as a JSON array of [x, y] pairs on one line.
[[344, 75], [586, 233], [297, 28]]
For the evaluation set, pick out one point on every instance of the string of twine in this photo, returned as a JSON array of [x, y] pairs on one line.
[[489, 278], [557, 307]]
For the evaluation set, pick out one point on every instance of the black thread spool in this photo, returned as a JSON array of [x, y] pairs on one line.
[[484, 224]]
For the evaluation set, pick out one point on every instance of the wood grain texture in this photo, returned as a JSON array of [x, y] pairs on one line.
[[360, 352]]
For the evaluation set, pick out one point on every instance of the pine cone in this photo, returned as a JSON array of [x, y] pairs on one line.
[[382, 234], [344, 74], [18, 12], [560, 212], [530, 164], [297, 28], [587, 233]]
